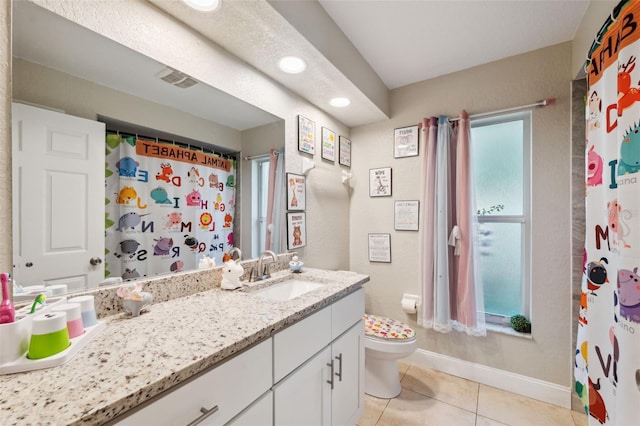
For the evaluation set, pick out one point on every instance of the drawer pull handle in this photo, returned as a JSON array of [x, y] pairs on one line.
[[339, 373], [205, 413], [330, 364]]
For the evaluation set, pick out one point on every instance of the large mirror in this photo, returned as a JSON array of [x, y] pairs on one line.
[[60, 67]]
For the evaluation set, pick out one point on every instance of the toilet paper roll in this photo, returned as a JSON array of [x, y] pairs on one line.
[[409, 305]]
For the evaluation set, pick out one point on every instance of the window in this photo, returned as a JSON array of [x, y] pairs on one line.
[[500, 148], [260, 193]]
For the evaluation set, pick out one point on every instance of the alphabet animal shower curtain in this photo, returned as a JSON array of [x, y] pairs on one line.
[[607, 358], [166, 207]]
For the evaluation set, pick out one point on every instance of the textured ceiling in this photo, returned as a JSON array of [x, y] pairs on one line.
[[362, 48]]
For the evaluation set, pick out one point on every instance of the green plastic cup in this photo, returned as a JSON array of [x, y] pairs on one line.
[[49, 336]]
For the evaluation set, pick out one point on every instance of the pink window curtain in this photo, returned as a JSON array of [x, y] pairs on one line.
[[275, 208], [451, 293]]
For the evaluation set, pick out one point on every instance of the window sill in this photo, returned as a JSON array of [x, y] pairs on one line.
[[503, 329]]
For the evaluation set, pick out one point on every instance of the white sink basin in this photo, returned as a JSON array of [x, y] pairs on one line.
[[286, 290]]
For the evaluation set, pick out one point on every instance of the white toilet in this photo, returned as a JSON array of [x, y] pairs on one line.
[[386, 341]]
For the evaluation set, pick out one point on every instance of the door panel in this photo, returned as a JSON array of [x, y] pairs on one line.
[[347, 398], [304, 397], [58, 198]]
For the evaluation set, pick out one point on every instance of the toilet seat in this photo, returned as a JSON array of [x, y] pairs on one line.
[[387, 329]]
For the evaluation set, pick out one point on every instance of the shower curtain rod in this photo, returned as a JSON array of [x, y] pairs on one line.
[[540, 104], [257, 157]]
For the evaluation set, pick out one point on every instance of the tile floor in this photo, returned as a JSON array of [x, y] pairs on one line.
[[429, 397]]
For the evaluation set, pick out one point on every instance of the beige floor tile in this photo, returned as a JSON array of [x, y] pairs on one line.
[[373, 408], [517, 410], [484, 421], [453, 390], [403, 366], [579, 418], [411, 408]]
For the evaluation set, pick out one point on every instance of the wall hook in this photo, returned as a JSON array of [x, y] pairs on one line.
[[307, 165]]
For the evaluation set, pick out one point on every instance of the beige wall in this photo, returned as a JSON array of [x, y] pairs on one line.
[[53, 89], [518, 80], [5, 135]]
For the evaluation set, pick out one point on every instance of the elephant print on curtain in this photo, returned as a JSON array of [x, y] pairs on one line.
[[166, 207]]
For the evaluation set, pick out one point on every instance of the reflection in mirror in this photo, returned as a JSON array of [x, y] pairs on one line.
[[65, 71]]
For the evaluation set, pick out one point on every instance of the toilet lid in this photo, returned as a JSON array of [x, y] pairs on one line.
[[386, 328]]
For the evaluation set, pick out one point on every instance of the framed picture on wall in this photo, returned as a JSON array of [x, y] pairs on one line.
[[405, 142], [296, 192], [296, 230], [345, 151], [306, 135], [380, 182], [380, 248], [328, 144], [406, 214]]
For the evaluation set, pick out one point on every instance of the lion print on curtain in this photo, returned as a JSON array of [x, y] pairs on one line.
[[166, 207]]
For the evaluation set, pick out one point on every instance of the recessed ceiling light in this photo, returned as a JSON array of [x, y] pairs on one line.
[[339, 102], [203, 5], [292, 64]]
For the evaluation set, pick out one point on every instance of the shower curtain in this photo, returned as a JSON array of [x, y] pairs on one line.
[[166, 207], [607, 357], [452, 295]]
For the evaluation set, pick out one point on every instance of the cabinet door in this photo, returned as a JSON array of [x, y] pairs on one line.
[[304, 397], [259, 413], [348, 356]]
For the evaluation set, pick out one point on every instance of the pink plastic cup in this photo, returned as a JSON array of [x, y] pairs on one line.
[[74, 318]]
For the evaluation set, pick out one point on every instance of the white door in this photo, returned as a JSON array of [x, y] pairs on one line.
[[304, 397], [58, 198], [348, 357]]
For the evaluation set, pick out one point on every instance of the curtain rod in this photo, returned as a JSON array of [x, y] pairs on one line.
[[257, 157], [540, 104]]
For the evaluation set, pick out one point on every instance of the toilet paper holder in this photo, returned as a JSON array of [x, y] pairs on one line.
[[410, 303]]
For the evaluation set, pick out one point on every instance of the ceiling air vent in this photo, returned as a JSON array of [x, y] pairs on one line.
[[177, 78]]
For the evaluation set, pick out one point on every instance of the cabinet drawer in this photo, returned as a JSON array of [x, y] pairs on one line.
[[346, 312], [259, 413], [231, 387], [294, 345]]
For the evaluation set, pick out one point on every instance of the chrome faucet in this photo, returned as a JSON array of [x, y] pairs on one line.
[[263, 269], [235, 250]]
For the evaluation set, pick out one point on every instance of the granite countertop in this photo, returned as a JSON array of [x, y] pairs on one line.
[[135, 359]]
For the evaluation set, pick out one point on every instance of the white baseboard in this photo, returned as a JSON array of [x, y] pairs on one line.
[[505, 380]]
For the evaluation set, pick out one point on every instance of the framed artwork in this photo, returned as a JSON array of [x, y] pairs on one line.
[[405, 142], [380, 182], [328, 144], [406, 214], [380, 248], [345, 151], [306, 135], [296, 230], [296, 191]]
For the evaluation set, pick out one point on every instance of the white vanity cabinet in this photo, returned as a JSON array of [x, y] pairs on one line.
[[326, 387], [311, 373], [226, 390]]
